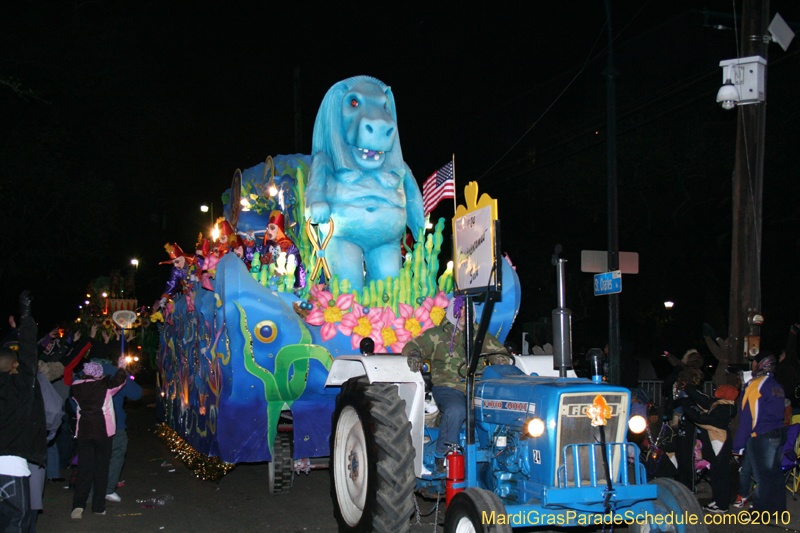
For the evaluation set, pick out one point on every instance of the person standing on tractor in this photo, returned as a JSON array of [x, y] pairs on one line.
[[443, 346]]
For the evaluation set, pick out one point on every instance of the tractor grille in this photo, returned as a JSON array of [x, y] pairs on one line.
[[574, 427]]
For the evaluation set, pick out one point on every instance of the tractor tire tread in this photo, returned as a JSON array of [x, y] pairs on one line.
[[391, 434]]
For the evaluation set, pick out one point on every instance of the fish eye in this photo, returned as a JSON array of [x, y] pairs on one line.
[[354, 102], [266, 331]]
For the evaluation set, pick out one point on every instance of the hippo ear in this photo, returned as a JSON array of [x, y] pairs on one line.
[[390, 96]]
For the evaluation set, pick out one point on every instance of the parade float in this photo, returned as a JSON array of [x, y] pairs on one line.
[[251, 323]]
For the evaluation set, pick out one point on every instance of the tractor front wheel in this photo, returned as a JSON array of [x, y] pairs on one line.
[[674, 498], [468, 512], [372, 459]]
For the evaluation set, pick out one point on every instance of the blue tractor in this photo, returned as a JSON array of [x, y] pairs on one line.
[[533, 450]]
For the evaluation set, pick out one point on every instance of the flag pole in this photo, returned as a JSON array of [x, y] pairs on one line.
[[455, 190]]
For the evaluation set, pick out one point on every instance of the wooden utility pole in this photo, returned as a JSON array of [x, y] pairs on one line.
[[748, 178]]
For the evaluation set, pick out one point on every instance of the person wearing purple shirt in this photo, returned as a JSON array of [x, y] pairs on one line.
[[761, 435]]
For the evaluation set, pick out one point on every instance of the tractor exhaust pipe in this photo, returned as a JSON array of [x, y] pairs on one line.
[[562, 323], [596, 359]]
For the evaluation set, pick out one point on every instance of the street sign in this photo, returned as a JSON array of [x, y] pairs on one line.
[[608, 283], [597, 261]]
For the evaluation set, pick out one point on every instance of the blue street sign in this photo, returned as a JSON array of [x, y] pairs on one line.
[[608, 283]]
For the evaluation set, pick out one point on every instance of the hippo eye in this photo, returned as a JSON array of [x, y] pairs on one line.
[[354, 102], [266, 331]]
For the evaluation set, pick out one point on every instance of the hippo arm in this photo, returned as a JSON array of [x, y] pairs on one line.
[[415, 215], [317, 207]]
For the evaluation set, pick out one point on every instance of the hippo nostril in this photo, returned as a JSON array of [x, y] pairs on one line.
[[369, 128], [390, 132]]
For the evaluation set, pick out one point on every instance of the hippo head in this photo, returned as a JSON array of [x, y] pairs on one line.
[[356, 125], [367, 124]]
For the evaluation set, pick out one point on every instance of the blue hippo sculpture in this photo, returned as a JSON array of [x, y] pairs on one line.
[[358, 178]]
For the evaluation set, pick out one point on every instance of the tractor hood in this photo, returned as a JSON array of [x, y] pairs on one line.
[[506, 396]]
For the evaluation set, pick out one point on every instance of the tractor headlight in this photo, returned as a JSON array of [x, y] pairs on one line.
[[637, 424], [534, 427]]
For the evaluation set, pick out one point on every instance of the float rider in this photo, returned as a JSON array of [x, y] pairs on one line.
[[180, 276]]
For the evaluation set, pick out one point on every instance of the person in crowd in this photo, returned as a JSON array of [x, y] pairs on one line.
[[659, 446], [691, 360], [96, 427], [119, 444], [685, 429], [761, 435], [713, 416], [23, 428], [54, 411], [54, 374], [74, 357], [443, 345]]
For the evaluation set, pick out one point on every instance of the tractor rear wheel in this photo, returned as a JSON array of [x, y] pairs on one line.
[[281, 468], [372, 459], [468, 512]]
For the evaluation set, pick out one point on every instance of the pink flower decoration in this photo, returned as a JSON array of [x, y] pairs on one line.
[[327, 315], [358, 325], [436, 307], [411, 322], [316, 289], [389, 337]]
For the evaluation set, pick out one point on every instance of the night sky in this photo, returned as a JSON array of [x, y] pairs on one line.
[[118, 119]]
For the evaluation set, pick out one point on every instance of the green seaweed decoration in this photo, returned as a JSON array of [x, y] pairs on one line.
[[417, 279], [279, 389], [297, 233], [435, 242]]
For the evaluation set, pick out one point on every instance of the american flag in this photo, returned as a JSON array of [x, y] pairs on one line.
[[440, 185]]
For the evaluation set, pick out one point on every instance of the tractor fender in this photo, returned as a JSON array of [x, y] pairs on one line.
[[388, 369]]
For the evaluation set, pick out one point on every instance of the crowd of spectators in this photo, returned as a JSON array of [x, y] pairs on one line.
[[59, 406]]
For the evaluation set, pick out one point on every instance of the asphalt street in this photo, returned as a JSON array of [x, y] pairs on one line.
[[240, 502]]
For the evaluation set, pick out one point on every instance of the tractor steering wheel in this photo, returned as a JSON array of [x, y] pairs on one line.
[[461, 373]]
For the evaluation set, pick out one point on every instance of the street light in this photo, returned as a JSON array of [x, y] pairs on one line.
[[135, 262], [208, 208], [669, 304]]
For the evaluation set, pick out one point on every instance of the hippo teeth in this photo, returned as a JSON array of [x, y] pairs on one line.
[[370, 153]]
